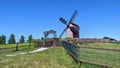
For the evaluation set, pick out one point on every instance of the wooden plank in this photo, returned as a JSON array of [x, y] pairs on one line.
[[12, 47], [108, 49], [95, 63]]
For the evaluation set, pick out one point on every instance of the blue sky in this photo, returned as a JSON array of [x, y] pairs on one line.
[[96, 18]]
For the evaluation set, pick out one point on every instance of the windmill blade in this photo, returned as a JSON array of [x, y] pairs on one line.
[[73, 16], [62, 33], [63, 20]]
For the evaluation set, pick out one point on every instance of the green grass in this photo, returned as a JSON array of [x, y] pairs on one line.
[[52, 58], [101, 56], [57, 57], [109, 58], [103, 45], [14, 45], [22, 47]]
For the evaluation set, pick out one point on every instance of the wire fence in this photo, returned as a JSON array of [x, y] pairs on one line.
[[92, 57]]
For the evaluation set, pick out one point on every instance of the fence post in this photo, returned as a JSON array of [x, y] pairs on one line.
[[80, 63], [17, 46], [29, 44]]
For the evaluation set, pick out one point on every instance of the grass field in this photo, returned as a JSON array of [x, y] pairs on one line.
[[57, 57], [12, 49], [52, 58], [103, 45], [109, 58]]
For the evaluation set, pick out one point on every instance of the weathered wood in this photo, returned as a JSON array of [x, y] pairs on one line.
[[11, 47], [95, 63], [7, 48], [108, 49], [16, 46]]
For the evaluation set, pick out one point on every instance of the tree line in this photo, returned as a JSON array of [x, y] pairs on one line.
[[12, 39]]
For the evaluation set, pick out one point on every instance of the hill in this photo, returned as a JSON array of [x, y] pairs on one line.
[[55, 57]]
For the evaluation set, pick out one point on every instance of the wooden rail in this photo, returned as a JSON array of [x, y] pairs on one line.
[[95, 63], [11, 47], [78, 60], [7, 48], [108, 49]]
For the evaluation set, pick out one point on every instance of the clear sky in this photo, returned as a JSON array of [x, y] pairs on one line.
[[96, 18]]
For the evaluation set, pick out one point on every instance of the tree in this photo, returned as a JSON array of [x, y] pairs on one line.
[[22, 39], [42, 38], [2, 39], [106, 37], [11, 39], [30, 38]]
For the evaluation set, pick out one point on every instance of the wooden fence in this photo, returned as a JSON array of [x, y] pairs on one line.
[[17, 47], [99, 57]]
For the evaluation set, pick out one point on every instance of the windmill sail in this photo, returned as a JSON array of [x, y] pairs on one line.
[[68, 25]]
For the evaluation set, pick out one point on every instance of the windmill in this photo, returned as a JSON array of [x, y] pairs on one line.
[[72, 30]]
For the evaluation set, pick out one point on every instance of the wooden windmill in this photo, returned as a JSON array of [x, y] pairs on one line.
[[72, 29]]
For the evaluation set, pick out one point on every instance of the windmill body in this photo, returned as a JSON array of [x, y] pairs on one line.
[[72, 31]]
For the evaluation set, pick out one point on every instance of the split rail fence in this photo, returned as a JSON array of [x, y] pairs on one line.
[[90, 57]]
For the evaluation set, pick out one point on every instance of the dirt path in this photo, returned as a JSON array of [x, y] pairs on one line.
[[34, 51]]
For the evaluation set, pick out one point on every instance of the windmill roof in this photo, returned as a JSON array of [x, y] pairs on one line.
[[74, 24]]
